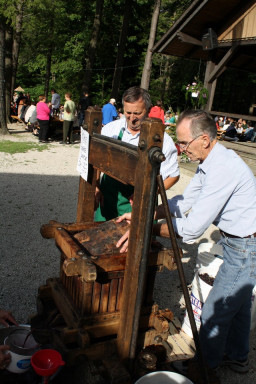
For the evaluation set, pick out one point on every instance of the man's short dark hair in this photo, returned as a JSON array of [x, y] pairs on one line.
[[201, 122], [133, 94]]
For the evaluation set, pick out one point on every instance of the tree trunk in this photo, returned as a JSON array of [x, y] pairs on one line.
[[3, 125], [166, 77], [145, 79], [48, 72], [8, 70], [92, 46], [121, 49], [16, 41]]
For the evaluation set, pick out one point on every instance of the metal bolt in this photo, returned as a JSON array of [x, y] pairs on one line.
[[156, 138], [80, 253], [158, 339], [142, 144], [158, 157]]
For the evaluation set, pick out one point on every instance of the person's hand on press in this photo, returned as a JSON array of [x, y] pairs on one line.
[[5, 358], [125, 238], [6, 318]]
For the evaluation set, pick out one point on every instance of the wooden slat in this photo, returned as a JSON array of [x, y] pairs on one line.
[[87, 298], [104, 297], [113, 296], [96, 297], [63, 304], [48, 230], [119, 293], [68, 246], [183, 347]]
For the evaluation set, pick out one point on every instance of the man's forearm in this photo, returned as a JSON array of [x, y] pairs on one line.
[[160, 229], [170, 181]]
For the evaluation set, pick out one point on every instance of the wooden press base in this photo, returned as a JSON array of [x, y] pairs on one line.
[[73, 330], [73, 336]]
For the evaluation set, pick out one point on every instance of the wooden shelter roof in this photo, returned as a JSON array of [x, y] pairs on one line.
[[234, 22]]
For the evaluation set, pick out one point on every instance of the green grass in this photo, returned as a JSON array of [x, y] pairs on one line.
[[13, 147]]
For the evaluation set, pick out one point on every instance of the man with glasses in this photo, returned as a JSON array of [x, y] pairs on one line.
[[222, 192], [112, 196]]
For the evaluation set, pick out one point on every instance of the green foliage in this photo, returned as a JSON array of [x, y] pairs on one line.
[[64, 29], [13, 147]]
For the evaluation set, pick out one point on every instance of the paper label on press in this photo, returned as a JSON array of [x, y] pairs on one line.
[[82, 164]]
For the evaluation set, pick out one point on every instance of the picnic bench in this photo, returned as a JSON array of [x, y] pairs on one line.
[[13, 117]]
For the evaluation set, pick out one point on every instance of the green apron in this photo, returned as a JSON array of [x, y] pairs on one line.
[[116, 196]]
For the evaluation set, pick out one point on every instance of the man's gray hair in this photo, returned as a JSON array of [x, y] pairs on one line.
[[133, 94], [200, 122]]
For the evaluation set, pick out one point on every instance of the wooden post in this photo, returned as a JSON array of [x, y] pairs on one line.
[[140, 237], [85, 205], [209, 86]]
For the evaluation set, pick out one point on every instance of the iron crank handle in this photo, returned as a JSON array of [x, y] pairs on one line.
[[182, 277]]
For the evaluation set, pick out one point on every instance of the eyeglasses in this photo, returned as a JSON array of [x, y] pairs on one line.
[[184, 147]]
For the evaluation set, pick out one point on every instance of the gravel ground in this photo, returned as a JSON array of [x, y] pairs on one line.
[[42, 186]]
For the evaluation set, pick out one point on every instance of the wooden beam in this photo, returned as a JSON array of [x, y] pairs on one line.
[[105, 155], [151, 138], [186, 22], [240, 43], [209, 86], [63, 303], [219, 67], [86, 194], [188, 39], [234, 115]]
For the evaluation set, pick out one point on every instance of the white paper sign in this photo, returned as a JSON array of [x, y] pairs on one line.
[[82, 164]]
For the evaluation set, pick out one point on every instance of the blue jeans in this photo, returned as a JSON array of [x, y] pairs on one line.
[[253, 138], [226, 317]]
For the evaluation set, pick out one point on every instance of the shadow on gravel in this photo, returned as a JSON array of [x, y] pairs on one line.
[[26, 259]]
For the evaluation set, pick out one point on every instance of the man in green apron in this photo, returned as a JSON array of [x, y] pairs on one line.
[[112, 197]]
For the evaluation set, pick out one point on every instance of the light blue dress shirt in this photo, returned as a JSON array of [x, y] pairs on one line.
[[222, 192]]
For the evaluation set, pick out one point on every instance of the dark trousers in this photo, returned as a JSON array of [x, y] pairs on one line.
[[81, 117], [68, 130], [44, 128]]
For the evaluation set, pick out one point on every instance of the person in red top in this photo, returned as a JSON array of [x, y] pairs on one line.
[[157, 111], [43, 116]]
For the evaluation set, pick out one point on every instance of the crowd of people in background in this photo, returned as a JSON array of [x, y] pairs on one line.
[[230, 129], [38, 115]]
